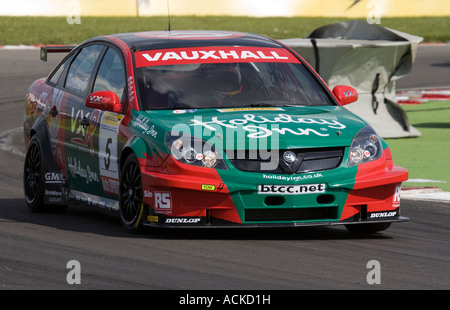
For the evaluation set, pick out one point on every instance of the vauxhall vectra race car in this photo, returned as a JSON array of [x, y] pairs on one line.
[[203, 129]]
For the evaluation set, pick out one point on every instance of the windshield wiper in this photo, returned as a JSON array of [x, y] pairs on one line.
[[276, 103], [292, 105], [259, 104]]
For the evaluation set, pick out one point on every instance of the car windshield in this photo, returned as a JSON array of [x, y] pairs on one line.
[[229, 85]]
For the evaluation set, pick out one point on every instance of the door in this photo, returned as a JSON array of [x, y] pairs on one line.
[[111, 76], [82, 123]]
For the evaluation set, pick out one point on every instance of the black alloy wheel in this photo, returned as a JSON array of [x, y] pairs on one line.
[[131, 195], [33, 177]]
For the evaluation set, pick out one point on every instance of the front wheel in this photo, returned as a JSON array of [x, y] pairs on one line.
[[368, 228], [131, 195]]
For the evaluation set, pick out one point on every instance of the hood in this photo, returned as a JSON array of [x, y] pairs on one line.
[[271, 127]]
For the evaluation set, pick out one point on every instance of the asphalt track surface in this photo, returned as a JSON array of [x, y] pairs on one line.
[[35, 248]]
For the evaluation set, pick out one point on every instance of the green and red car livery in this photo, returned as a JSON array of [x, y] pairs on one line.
[[204, 128]]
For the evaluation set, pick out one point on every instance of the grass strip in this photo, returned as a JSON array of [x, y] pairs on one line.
[[427, 156], [55, 30]]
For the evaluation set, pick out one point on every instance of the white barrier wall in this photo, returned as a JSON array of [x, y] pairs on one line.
[[255, 8]]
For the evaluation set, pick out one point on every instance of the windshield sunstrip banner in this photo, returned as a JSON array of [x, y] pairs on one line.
[[214, 54]]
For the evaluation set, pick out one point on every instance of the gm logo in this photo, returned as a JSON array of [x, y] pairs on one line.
[[53, 177]]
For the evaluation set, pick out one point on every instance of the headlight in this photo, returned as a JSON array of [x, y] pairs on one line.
[[194, 151], [366, 146]]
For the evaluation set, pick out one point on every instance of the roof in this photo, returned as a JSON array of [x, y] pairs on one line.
[[185, 38]]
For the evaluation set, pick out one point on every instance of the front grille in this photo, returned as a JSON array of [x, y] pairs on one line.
[[292, 214], [306, 160]]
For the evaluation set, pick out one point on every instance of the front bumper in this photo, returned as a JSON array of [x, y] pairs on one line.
[[179, 195]]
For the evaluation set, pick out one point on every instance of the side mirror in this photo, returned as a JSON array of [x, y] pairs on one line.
[[345, 94], [104, 100]]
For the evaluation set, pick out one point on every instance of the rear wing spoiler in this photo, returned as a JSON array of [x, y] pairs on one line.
[[55, 49]]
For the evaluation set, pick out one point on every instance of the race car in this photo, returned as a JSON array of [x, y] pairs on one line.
[[203, 129]]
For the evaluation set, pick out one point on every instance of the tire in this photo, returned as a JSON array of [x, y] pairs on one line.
[[34, 181], [33, 178], [369, 228], [131, 202]]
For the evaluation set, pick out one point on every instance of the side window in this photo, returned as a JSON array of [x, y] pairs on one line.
[[81, 68], [111, 74], [54, 78]]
